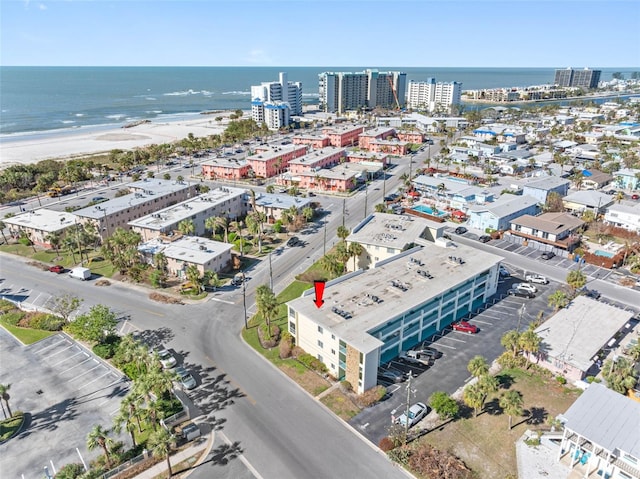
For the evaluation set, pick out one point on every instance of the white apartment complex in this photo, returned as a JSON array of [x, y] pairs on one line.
[[344, 91], [273, 103], [432, 96]]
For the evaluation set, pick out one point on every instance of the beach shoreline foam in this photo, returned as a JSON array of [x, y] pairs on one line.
[[72, 144]]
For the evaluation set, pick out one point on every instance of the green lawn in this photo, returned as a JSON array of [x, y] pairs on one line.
[[26, 335]]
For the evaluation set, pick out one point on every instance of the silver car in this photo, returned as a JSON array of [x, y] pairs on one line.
[[187, 381], [416, 413]]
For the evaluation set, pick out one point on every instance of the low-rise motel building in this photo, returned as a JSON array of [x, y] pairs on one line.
[[272, 205], [341, 136], [340, 178], [146, 197], [226, 169], [374, 134], [223, 201], [269, 160], [317, 159], [370, 316], [38, 224], [367, 157], [384, 235], [311, 140], [184, 251]]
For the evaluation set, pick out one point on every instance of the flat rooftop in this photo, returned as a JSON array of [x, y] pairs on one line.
[[225, 162], [270, 152], [171, 215], [43, 219], [389, 230], [315, 156], [192, 249], [576, 333], [269, 200], [353, 293], [148, 191]]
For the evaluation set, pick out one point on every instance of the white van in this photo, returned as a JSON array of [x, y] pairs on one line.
[[80, 273]]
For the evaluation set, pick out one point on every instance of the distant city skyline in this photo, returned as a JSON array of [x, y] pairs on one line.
[[404, 33]]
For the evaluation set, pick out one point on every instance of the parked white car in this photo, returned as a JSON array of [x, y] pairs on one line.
[[526, 287], [536, 278], [416, 413], [166, 358]]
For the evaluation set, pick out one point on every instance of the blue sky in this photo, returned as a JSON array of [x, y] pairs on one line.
[[432, 33]]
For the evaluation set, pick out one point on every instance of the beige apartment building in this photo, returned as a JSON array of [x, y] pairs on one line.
[[38, 224], [223, 201], [146, 197]]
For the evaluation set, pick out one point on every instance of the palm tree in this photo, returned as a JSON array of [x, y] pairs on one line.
[[511, 341], [193, 275], [620, 375], [124, 418], [558, 299], [576, 279], [355, 250], [5, 396], [98, 438], [478, 366], [488, 384], [474, 397], [161, 262], [530, 343], [511, 402], [342, 254], [343, 232], [267, 304], [307, 213], [55, 240], [160, 443], [133, 404], [186, 227], [210, 224], [223, 222], [331, 264]]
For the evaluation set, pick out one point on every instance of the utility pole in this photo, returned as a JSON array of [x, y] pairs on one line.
[[270, 274], [366, 192], [344, 209], [244, 300], [406, 413], [324, 244]]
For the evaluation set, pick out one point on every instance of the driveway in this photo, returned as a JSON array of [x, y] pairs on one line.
[[65, 390]]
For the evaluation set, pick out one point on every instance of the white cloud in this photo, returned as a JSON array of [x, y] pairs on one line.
[[42, 6]]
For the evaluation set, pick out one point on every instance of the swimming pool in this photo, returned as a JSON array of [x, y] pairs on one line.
[[429, 211], [606, 254]]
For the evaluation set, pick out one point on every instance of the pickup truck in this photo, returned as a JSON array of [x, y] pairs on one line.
[[416, 357]]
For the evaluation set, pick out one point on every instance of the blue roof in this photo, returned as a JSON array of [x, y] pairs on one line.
[[586, 173]]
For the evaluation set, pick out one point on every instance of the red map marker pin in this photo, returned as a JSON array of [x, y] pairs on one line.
[[319, 287]]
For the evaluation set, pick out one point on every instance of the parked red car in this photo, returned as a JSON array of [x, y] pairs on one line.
[[56, 269], [635, 197], [465, 327]]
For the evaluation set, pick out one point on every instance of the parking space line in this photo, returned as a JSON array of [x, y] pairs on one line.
[[61, 351], [75, 365], [96, 379], [455, 339], [446, 346], [482, 322], [86, 372], [71, 357], [60, 340]]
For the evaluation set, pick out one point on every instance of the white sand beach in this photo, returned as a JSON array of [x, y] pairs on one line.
[[74, 143]]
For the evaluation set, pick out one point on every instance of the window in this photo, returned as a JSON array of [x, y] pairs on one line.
[[320, 330], [320, 344], [292, 327], [333, 352]]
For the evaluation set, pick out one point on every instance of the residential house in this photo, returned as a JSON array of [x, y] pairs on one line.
[[624, 215], [587, 200], [541, 187], [498, 214], [600, 436], [628, 178], [572, 337], [595, 179], [554, 229], [370, 316]]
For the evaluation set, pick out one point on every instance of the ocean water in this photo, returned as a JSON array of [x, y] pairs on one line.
[[35, 100]]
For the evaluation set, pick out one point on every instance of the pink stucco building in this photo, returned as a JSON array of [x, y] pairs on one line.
[[270, 161], [340, 136], [225, 168]]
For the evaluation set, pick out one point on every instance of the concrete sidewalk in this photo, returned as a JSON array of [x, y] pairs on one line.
[[200, 447]]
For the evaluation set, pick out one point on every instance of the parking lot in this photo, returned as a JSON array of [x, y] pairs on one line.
[[449, 372], [65, 390]]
